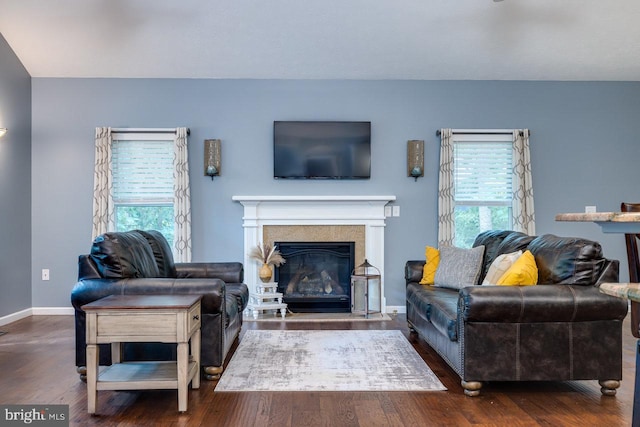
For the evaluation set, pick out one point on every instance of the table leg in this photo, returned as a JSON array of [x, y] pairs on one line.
[[635, 422], [116, 352], [195, 350], [183, 372], [92, 378]]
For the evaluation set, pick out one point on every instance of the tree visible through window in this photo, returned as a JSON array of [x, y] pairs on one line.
[[483, 174]]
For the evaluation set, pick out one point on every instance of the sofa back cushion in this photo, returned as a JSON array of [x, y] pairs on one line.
[[499, 242], [567, 260], [123, 255], [491, 241], [161, 252]]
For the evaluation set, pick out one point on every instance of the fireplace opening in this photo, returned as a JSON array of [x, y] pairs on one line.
[[317, 276]]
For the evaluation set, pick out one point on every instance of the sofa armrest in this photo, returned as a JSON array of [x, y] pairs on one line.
[[540, 303], [230, 272], [212, 290], [413, 271]]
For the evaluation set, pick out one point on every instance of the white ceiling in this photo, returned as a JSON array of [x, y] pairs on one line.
[[327, 39]]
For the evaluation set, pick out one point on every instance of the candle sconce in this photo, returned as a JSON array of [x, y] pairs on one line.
[[415, 158], [212, 157]]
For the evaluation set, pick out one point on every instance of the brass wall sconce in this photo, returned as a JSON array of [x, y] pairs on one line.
[[415, 158], [212, 157], [3, 131]]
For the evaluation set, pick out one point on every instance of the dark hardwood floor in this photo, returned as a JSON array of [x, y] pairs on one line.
[[37, 367]]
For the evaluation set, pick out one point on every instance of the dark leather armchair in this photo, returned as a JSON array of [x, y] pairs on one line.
[[634, 266], [139, 263]]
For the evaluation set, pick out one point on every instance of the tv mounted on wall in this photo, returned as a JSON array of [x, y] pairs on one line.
[[322, 150]]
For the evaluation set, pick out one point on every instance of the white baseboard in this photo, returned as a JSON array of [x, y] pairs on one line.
[[391, 309], [36, 311], [52, 311], [10, 318]]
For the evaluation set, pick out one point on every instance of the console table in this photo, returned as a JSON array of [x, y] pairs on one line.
[[143, 318]]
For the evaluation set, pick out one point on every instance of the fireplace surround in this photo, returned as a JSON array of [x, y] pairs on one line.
[[319, 213]]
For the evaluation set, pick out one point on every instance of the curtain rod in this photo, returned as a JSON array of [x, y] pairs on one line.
[[480, 131], [147, 130]]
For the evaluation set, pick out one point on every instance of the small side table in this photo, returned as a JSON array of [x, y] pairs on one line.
[[143, 318], [266, 297], [630, 291]]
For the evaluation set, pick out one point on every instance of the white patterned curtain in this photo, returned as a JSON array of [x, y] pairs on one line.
[[446, 225], [182, 198], [102, 202], [522, 207]]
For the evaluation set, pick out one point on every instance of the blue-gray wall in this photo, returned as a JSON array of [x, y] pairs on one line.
[[584, 150], [15, 183]]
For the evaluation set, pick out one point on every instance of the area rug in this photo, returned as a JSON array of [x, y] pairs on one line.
[[327, 360]]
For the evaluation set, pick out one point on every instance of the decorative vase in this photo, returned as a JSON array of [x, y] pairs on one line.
[[265, 273]]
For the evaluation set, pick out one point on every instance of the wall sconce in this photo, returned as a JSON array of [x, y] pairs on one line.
[[3, 131], [415, 158], [212, 157]]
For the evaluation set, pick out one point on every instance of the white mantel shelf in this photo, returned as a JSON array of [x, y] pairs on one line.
[[315, 210], [313, 198]]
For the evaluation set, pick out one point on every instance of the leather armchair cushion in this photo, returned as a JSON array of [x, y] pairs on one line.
[[567, 260], [161, 252], [121, 255]]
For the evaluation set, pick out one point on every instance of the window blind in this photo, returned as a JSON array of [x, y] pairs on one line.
[[483, 172], [142, 171]]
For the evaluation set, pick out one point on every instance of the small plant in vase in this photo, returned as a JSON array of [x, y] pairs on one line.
[[267, 255]]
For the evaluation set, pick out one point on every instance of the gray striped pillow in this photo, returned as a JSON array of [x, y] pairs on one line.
[[459, 267]]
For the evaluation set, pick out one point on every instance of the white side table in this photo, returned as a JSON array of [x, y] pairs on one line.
[[265, 298]]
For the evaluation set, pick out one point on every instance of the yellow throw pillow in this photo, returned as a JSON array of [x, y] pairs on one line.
[[523, 272], [499, 266], [432, 256]]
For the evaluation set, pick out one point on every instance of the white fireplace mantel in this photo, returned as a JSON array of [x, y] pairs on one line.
[[314, 210]]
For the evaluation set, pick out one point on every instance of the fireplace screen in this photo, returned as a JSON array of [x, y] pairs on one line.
[[316, 276]]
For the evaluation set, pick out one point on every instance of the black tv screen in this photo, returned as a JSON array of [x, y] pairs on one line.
[[322, 150]]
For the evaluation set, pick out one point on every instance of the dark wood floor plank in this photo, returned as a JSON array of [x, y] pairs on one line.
[[37, 365]]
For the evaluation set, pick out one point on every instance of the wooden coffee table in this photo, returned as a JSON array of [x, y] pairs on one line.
[[143, 318]]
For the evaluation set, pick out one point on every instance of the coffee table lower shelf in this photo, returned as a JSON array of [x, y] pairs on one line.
[[143, 376]]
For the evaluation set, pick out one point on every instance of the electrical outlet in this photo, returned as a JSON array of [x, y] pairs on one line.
[[45, 274], [590, 209], [387, 211], [396, 211]]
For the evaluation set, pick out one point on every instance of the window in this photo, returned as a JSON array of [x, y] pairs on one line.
[[142, 193], [483, 182]]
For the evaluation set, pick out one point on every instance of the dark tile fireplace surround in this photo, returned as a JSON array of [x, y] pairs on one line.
[[316, 277]]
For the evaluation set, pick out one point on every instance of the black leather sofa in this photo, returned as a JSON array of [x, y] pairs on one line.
[[141, 262], [561, 329]]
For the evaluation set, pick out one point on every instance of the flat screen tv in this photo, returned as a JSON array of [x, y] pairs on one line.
[[321, 150]]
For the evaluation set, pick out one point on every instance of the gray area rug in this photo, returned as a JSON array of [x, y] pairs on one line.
[[327, 360]]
